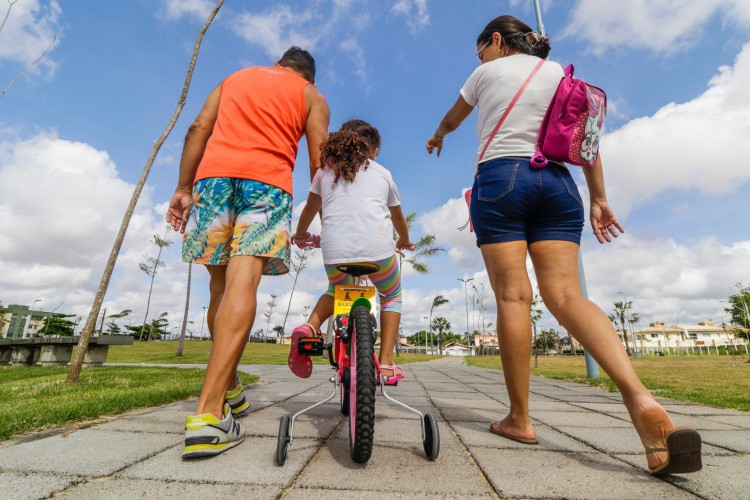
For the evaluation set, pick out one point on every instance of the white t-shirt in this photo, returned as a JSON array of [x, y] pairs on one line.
[[493, 85], [356, 222]]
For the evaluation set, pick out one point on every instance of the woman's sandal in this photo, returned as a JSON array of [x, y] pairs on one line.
[[393, 379], [684, 449], [299, 364]]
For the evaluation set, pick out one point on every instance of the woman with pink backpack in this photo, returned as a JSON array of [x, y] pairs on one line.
[[524, 203]]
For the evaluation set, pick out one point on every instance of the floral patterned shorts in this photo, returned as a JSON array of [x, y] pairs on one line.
[[233, 216]]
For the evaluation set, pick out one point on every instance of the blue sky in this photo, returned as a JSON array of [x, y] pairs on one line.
[[76, 131]]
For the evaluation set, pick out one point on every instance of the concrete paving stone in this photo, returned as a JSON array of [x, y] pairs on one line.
[[698, 410], [700, 423], [721, 476], [328, 494], [389, 410], [473, 414], [736, 440], [410, 400], [602, 407], [484, 404], [159, 422], [625, 440], [578, 419], [740, 420], [551, 406], [468, 394], [583, 398], [30, 486], [251, 462], [401, 430], [475, 434], [394, 467], [111, 451], [564, 475], [126, 489], [318, 423]]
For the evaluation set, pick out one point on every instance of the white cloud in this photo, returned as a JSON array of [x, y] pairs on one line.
[[28, 31], [416, 13], [688, 146], [663, 26], [278, 28], [176, 9], [443, 223], [61, 204]]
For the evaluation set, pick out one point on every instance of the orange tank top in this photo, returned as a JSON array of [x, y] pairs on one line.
[[261, 119]]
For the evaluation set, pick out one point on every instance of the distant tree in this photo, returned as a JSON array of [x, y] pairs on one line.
[[536, 315], [441, 325], [58, 324], [153, 266], [299, 263], [546, 339], [269, 312], [739, 307], [76, 362], [621, 315], [181, 343], [420, 338], [425, 247], [436, 302], [112, 327]]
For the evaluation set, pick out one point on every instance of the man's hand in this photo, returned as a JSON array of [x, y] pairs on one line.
[[603, 221], [179, 210]]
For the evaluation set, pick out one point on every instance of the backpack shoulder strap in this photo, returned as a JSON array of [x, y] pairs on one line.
[[510, 106]]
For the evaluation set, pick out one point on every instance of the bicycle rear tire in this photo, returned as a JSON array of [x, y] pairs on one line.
[[362, 386]]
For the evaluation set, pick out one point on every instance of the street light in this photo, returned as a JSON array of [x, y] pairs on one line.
[[203, 320], [28, 321], [426, 318], [305, 313], [466, 293]]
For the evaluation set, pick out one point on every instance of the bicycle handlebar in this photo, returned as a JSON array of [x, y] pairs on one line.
[[313, 241]]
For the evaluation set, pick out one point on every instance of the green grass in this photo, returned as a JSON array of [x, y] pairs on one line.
[[196, 352], [37, 398], [712, 380]]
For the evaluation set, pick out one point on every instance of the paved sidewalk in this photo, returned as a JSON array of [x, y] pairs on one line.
[[588, 448]]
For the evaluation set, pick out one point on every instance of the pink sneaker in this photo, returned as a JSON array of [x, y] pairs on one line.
[[300, 365]]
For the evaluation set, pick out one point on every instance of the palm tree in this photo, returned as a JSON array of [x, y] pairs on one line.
[[160, 322], [77, 361], [181, 343], [436, 302], [112, 326], [620, 314], [271, 304], [151, 268], [424, 247], [440, 324]]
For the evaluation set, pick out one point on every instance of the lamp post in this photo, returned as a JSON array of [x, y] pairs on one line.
[[466, 293], [305, 313], [426, 318], [28, 321], [203, 320]]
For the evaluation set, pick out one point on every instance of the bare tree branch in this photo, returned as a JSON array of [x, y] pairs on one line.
[[29, 68], [77, 361], [11, 3]]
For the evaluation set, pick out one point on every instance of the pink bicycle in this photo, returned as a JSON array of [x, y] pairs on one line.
[[351, 353]]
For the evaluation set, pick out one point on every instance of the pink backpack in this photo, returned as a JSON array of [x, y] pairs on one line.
[[572, 126]]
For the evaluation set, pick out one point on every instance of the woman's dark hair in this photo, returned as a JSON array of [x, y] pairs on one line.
[[364, 130], [517, 35], [344, 152], [300, 61]]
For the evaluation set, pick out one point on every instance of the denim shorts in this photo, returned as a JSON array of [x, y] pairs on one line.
[[513, 201]]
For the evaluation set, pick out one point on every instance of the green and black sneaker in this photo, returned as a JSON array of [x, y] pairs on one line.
[[206, 435], [237, 401]]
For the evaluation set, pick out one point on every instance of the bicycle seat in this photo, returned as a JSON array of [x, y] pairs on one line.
[[358, 269]]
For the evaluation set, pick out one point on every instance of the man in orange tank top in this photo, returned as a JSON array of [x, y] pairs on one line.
[[233, 203]]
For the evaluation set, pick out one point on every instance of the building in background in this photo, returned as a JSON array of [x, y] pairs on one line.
[[15, 322], [703, 335]]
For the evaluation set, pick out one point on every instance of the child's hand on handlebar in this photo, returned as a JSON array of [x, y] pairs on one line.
[[306, 240]]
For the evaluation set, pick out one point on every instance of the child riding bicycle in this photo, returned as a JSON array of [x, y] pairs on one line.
[[360, 208]]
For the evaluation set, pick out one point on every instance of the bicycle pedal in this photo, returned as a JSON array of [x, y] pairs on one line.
[[310, 346]]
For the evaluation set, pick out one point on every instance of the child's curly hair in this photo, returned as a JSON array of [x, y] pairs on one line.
[[345, 152]]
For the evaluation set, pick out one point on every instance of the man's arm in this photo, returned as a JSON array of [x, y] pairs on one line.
[[316, 128], [192, 152]]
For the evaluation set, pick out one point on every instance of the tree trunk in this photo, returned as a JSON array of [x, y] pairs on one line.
[[181, 344], [83, 344], [625, 337]]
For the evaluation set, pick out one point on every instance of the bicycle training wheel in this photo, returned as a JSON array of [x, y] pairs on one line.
[[283, 440], [361, 386], [431, 441]]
